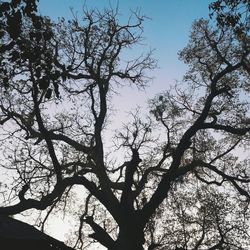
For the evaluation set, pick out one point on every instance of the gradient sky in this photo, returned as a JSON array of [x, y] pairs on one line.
[[167, 32]]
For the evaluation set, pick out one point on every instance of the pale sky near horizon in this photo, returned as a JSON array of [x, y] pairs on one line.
[[167, 32]]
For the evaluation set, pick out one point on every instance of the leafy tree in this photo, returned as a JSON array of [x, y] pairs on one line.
[[175, 179], [13, 11], [19, 25], [232, 13]]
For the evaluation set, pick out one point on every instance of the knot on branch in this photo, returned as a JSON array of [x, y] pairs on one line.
[[89, 220], [23, 191]]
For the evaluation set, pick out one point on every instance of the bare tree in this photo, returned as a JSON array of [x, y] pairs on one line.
[[174, 179]]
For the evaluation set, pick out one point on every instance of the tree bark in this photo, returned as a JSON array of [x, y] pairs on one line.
[[131, 235], [129, 240]]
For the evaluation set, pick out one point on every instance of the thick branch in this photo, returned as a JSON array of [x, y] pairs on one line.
[[100, 234], [227, 128], [130, 170]]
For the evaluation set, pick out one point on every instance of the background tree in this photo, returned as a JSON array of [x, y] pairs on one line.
[[231, 13], [175, 179]]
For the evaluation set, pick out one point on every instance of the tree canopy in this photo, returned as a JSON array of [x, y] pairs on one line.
[[174, 179]]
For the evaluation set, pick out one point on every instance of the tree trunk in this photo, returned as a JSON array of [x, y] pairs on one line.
[[128, 243], [131, 237]]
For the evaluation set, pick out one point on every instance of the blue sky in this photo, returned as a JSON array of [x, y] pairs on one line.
[[166, 32]]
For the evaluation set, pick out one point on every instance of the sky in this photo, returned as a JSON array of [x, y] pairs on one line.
[[167, 31]]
